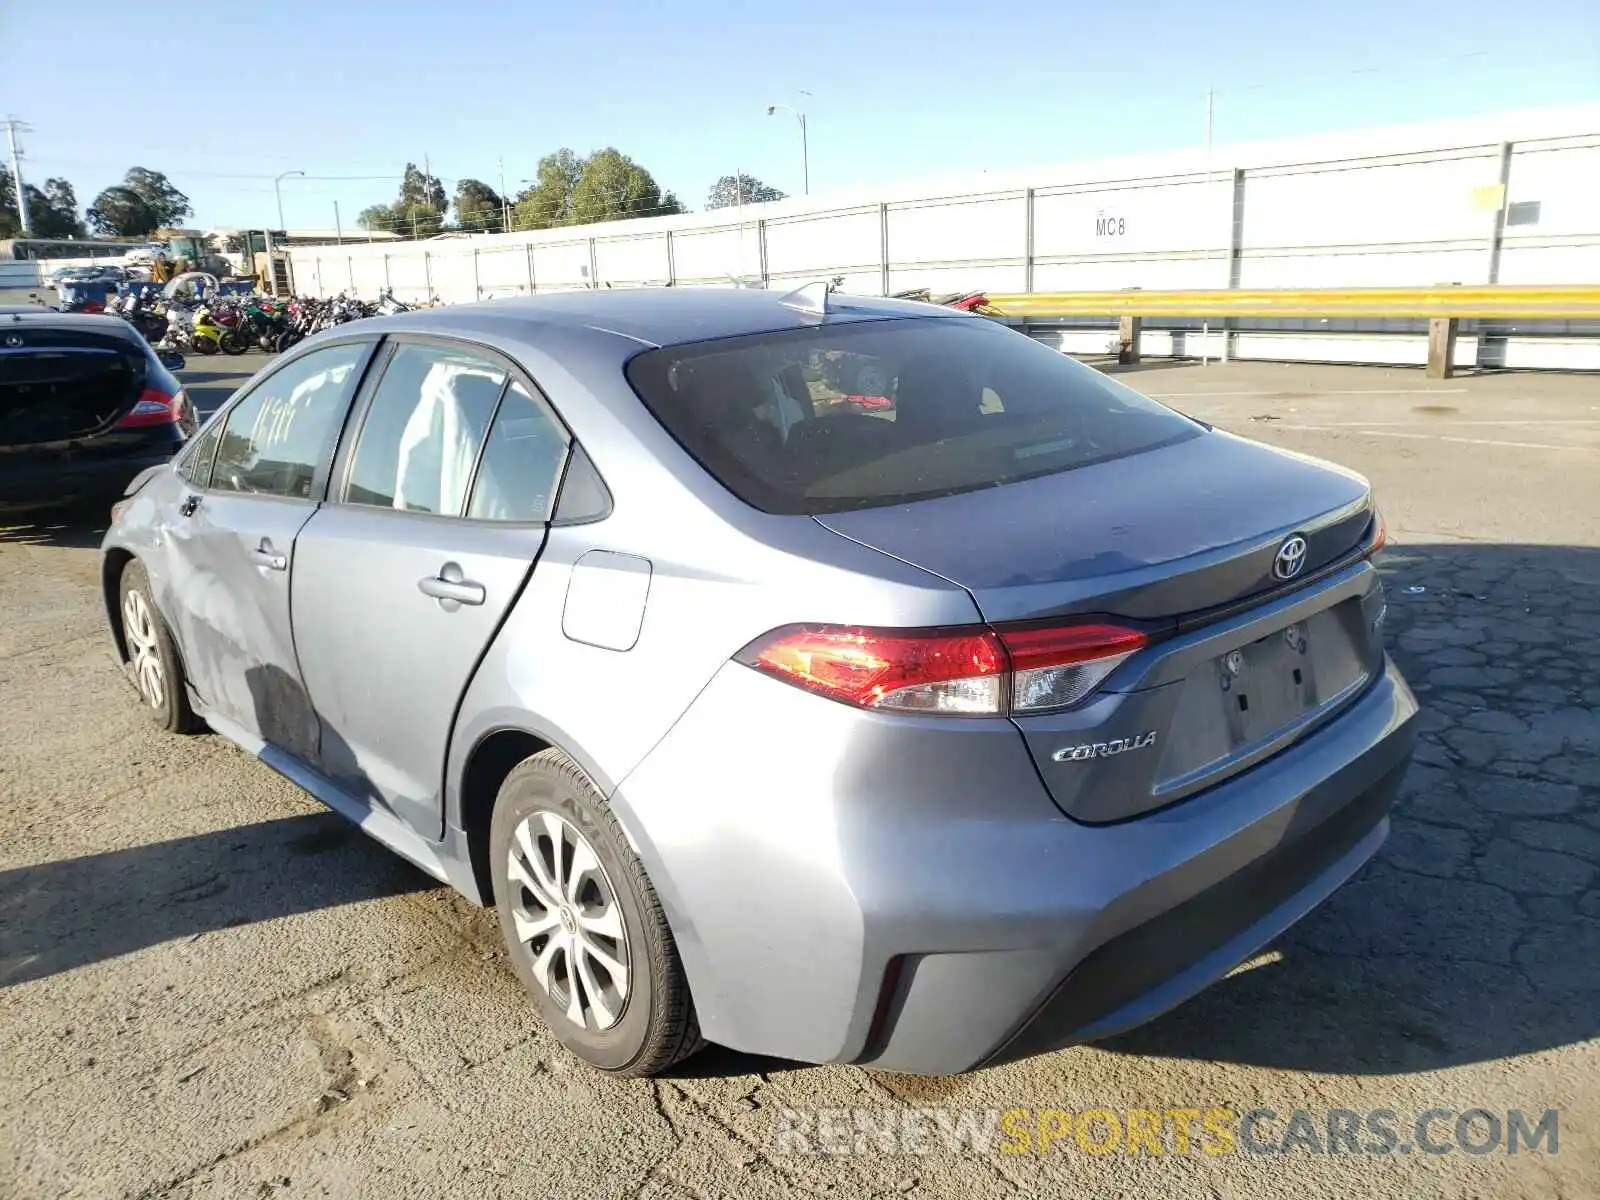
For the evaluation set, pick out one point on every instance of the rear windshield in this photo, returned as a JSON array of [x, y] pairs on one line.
[[867, 413]]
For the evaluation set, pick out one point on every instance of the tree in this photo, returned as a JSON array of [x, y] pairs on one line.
[[385, 217], [741, 189], [418, 212], [10, 223], [613, 187], [549, 201], [422, 201], [166, 203], [53, 211], [121, 212], [478, 206]]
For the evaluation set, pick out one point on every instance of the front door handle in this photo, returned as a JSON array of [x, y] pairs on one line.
[[190, 504], [451, 588], [265, 556]]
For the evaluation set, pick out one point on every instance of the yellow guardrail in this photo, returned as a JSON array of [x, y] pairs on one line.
[[1505, 301]]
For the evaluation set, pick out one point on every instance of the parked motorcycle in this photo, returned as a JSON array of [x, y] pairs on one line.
[[144, 315], [233, 337], [208, 336]]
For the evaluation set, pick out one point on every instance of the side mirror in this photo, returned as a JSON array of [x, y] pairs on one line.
[[172, 360]]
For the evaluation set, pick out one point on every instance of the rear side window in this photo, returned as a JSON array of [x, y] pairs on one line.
[[422, 433], [278, 435], [521, 464], [835, 417]]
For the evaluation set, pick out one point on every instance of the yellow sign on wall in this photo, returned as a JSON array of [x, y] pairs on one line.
[[1488, 199]]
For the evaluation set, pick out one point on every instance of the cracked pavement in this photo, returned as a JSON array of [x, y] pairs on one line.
[[210, 986]]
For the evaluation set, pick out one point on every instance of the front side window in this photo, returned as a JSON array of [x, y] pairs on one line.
[[196, 466], [277, 436], [859, 414], [420, 438]]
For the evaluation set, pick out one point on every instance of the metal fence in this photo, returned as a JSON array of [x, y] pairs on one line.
[[1502, 199]]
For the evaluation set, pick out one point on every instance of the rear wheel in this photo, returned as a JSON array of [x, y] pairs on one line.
[[205, 344], [153, 662], [583, 924]]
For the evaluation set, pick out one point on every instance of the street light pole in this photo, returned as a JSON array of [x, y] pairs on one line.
[[805, 147], [278, 191]]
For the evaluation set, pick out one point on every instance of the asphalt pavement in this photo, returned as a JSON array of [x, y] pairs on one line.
[[210, 986]]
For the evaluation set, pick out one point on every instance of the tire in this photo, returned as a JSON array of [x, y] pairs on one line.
[[205, 344], [153, 662], [652, 1022], [233, 343]]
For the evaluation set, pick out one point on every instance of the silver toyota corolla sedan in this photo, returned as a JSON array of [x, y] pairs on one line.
[[846, 680]]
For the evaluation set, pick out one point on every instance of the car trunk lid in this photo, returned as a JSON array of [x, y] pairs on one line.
[[1180, 541], [58, 384], [1177, 530]]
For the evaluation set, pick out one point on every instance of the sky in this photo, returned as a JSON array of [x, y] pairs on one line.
[[223, 98]]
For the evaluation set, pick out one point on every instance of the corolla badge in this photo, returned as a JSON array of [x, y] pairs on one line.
[[1291, 557], [1138, 741]]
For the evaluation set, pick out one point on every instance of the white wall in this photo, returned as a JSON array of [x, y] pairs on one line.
[[1408, 205]]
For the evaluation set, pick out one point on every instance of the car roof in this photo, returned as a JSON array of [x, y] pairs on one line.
[[34, 316], [661, 316]]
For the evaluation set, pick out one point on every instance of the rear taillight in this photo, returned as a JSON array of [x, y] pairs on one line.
[[1056, 666], [1380, 535], [909, 670], [964, 671], [155, 407]]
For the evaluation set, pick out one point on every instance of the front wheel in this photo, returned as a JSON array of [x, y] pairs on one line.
[[583, 924], [233, 343], [153, 661]]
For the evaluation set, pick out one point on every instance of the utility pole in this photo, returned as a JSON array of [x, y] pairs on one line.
[[12, 126], [338, 229], [738, 199], [505, 202], [1205, 323]]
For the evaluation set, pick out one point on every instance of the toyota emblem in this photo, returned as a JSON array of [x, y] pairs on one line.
[[1291, 557], [13, 339]]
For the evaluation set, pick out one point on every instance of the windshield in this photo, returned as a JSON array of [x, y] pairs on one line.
[[861, 414]]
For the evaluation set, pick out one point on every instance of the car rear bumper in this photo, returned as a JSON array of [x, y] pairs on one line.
[[86, 472], [903, 893]]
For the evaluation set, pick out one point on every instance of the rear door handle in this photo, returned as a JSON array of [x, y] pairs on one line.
[[265, 556], [451, 587]]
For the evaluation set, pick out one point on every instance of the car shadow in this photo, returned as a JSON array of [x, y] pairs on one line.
[[1474, 934], [70, 913], [74, 526]]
